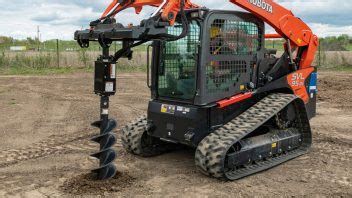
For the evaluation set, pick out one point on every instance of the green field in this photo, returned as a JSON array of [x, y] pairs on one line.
[[53, 45], [335, 54], [349, 47], [340, 43]]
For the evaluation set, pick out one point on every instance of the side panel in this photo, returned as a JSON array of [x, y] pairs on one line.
[[302, 83], [313, 91], [189, 124], [178, 123], [298, 83]]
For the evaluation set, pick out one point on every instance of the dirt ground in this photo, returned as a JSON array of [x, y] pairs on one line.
[[44, 145]]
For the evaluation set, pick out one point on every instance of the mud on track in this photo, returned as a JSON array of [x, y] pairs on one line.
[[44, 148]]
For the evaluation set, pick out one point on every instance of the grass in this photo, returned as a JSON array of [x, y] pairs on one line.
[[131, 69], [43, 63], [41, 71], [63, 70], [51, 46], [349, 47], [338, 69], [13, 101]]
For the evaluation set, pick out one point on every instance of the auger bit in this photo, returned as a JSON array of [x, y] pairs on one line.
[[105, 86]]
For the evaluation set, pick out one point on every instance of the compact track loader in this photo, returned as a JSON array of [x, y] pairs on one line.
[[214, 86]]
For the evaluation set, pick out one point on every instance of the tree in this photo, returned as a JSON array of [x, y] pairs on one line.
[[30, 41], [6, 40]]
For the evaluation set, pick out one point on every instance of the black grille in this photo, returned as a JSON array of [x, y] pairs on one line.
[[232, 37], [230, 41], [221, 75]]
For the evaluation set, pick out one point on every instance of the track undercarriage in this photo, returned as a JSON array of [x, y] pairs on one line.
[[274, 130], [135, 139]]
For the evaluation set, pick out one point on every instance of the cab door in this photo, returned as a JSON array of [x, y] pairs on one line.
[[231, 44]]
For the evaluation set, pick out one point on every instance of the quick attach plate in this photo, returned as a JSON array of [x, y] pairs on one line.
[[106, 33]]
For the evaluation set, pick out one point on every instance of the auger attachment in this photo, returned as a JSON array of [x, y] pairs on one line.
[[106, 155], [105, 86]]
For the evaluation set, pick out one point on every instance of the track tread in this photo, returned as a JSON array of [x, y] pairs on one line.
[[135, 133], [211, 151]]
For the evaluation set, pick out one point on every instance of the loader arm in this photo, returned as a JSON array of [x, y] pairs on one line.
[[169, 8], [288, 26]]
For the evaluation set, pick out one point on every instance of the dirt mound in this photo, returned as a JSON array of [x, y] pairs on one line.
[[334, 89], [87, 184]]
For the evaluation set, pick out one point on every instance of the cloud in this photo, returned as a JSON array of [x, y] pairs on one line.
[[58, 14], [324, 30], [60, 18], [332, 12]]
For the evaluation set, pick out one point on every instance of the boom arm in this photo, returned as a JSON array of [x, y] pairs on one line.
[[282, 20], [286, 25], [169, 8]]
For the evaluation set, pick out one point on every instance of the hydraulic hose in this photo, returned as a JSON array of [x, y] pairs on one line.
[[167, 37], [185, 25], [123, 51]]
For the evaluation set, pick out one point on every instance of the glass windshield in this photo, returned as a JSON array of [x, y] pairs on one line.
[[178, 65]]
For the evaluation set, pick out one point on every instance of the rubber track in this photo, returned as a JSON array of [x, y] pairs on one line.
[[211, 151], [135, 133]]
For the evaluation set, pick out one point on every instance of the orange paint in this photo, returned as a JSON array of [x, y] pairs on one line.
[[273, 36], [171, 7], [234, 99], [286, 24], [297, 82]]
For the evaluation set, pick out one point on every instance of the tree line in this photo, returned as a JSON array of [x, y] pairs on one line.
[[332, 43]]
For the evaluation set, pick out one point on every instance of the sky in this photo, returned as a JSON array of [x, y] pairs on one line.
[[59, 19]]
